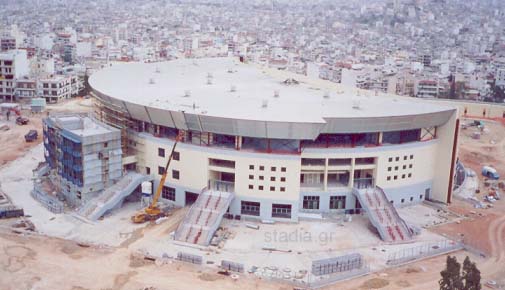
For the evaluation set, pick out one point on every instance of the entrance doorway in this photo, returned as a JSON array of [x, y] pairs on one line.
[[191, 197]]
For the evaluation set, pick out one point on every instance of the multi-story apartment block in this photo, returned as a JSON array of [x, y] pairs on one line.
[[427, 89], [26, 88], [59, 87], [13, 65]]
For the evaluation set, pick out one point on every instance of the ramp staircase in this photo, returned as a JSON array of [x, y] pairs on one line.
[[204, 217], [383, 215], [112, 197]]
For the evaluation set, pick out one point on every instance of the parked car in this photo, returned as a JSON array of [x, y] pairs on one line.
[[22, 120], [490, 172], [32, 135]]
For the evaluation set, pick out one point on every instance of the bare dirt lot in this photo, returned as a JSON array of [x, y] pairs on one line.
[[13, 142], [48, 263]]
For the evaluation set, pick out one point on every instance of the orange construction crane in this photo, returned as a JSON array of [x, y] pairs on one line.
[[153, 211]]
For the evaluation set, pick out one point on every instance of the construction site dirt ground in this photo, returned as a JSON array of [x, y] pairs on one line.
[[13, 142], [299, 243], [102, 258]]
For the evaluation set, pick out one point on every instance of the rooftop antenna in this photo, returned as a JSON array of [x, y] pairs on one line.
[[264, 103], [209, 78], [356, 104]]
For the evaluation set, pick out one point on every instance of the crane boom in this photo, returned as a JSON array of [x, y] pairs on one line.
[[153, 212], [165, 173]]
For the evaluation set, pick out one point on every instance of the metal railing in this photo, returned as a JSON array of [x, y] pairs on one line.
[[422, 251], [219, 185], [362, 183]]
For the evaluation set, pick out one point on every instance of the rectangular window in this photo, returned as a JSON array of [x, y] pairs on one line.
[[410, 175], [404, 166], [176, 156], [396, 177], [161, 170], [105, 144], [283, 179], [161, 152], [175, 174], [403, 200], [411, 198], [273, 168], [410, 165], [281, 210], [421, 197], [411, 156], [272, 188], [397, 158], [250, 208], [389, 168], [311, 202], [168, 193], [396, 168], [390, 159], [262, 177], [260, 187], [251, 167], [403, 176], [389, 178], [251, 176], [283, 169], [272, 178], [405, 157], [337, 202], [262, 167], [251, 186], [283, 189], [148, 170]]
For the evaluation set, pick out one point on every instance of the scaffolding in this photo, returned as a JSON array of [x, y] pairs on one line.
[[115, 116], [86, 155]]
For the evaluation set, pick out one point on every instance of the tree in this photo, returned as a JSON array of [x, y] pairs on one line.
[[470, 275], [451, 276]]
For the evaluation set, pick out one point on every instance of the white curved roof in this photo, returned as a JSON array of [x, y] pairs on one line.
[[164, 85]]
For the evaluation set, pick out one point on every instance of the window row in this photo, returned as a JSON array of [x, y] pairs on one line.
[[396, 168], [272, 188], [253, 209], [397, 158], [272, 178], [411, 199], [175, 155], [262, 168], [403, 176], [313, 202], [161, 171]]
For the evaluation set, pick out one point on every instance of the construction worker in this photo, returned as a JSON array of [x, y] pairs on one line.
[[8, 114]]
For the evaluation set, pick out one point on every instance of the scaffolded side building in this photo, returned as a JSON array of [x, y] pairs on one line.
[[84, 155]]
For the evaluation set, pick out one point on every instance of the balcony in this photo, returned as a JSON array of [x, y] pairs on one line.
[[362, 183], [219, 185]]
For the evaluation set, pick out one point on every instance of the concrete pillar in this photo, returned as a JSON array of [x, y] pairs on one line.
[[325, 180], [238, 142], [351, 177]]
